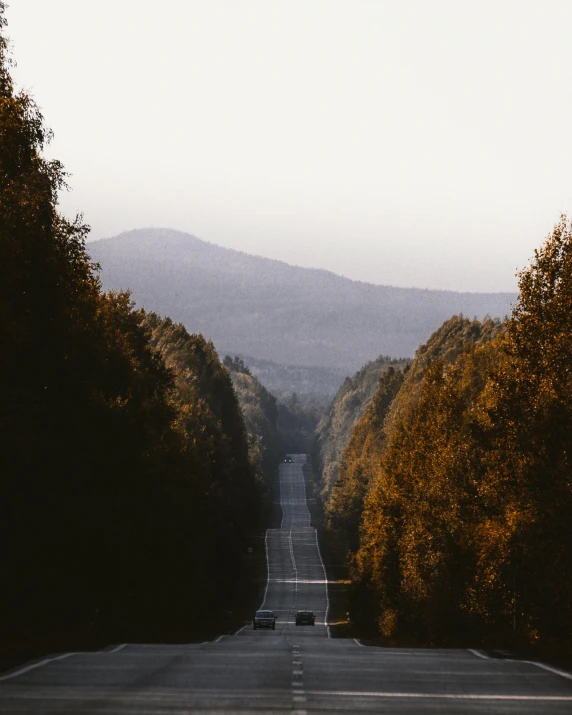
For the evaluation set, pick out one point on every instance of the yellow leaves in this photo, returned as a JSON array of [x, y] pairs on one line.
[[387, 623]]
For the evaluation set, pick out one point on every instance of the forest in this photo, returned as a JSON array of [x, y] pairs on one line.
[[124, 448], [454, 492], [137, 467]]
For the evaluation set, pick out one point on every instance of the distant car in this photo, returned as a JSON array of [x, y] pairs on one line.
[[305, 618], [264, 619], [289, 460]]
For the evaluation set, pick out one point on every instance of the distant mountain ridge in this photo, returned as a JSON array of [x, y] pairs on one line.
[[275, 311]]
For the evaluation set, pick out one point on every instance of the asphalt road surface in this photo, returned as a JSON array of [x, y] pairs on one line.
[[288, 670]]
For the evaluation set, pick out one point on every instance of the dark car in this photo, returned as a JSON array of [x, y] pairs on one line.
[[264, 619], [305, 618], [288, 460]]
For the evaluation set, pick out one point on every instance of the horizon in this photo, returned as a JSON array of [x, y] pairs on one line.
[[404, 145]]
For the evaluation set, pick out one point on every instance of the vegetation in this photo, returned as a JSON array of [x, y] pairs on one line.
[[313, 386], [464, 476], [260, 411], [275, 427], [128, 497], [360, 459], [335, 427]]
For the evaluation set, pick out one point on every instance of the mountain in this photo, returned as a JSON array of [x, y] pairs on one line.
[[317, 385], [271, 310]]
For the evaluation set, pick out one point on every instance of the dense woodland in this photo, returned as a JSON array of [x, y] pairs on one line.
[[136, 466], [129, 500], [275, 427], [335, 426], [455, 489]]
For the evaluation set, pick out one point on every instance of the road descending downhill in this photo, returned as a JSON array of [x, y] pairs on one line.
[[296, 575], [290, 669]]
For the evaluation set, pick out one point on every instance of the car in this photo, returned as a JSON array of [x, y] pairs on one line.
[[264, 619], [305, 618], [288, 460]]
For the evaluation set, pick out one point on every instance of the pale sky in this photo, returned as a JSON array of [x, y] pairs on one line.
[[408, 143]]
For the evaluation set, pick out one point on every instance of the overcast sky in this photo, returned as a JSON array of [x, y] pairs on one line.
[[408, 143]]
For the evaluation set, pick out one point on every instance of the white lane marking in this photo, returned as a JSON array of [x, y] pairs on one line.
[[219, 639], [358, 643], [299, 699], [296, 662], [300, 580], [35, 665], [326, 577], [549, 668], [298, 692], [281, 505], [297, 672], [478, 654], [118, 648], [441, 696], [267, 568], [299, 712], [562, 673], [293, 559]]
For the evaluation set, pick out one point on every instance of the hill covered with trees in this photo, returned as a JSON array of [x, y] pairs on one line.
[[313, 386], [252, 306], [275, 427], [123, 450], [335, 427], [456, 494]]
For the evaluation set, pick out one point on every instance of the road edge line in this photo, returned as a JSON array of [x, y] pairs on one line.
[[326, 581], [27, 668], [117, 648], [556, 671], [478, 653]]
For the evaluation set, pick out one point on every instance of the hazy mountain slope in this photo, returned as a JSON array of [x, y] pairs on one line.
[[311, 382], [271, 310]]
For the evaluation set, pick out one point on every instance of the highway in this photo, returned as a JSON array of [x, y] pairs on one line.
[[292, 669]]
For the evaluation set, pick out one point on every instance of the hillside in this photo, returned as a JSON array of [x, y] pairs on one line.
[[335, 427], [317, 385], [271, 310]]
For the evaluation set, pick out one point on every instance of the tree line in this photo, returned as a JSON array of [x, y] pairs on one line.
[[130, 501], [335, 426], [275, 426], [455, 489]]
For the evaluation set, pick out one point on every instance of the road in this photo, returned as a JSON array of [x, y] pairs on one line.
[[298, 670]]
